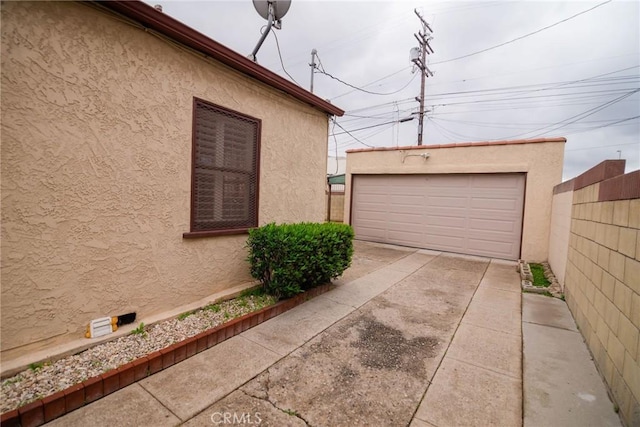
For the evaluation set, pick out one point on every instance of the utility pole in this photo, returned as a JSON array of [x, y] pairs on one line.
[[313, 66], [419, 58]]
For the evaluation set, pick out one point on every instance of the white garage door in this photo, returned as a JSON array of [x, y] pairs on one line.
[[477, 214]]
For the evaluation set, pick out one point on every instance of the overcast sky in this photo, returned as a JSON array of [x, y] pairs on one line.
[[579, 79]]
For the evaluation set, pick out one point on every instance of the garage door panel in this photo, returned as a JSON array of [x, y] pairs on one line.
[[445, 231], [374, 230], [372, 225], [375, 198], [371, 215], [479, 214], [491, 236], [450, 243], [401, 221], [493, 180], [493, 204], [407, 199], [404, 236], [492, 215], [447, 201], [493, 224], [453, 181], [451, 212], [408, 191], [446, 221], [403, 209]]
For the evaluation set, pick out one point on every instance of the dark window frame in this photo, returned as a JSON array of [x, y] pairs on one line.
[[219, 228]]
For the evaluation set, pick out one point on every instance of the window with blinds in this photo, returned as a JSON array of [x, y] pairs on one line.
[[224, 196]]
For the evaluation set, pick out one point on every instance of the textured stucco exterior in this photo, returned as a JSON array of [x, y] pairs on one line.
[[559, 233], [96, 171], [541, 161]]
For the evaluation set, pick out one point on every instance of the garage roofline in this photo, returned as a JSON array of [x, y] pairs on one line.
[[459, 144]]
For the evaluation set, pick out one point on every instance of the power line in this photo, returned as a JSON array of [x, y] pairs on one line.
[[371, 107], [382, 116], [509, 125], [370, 135], [522, 37], [481, 101], [555, 85], [364, 90], [508, 90], [280, 55], [577, 117], [546, 105], [605, 126], [349, 133], [369, 84], [373, 126]]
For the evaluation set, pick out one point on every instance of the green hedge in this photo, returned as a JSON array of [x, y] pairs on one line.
[[291, 258]]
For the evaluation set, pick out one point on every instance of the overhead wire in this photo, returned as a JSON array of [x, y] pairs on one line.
[[576, 117], [367, 136], [602, 146], [380, 116], [508, 90], [523, 36], [368, 127], [482, 101], [553, 85], [371, 107], [545, 105], [606, 125], [351, 135], [369, 84], [508, 125], [365, 90], [280, 56]]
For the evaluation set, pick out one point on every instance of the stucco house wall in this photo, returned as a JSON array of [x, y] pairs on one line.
[[559, 233], [540, 159], [96, 170]]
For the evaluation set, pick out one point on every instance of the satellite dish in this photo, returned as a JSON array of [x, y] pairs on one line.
[[272, 11], [280, 8]]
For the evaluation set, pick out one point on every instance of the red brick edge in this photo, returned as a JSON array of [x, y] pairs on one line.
[[62, 402]]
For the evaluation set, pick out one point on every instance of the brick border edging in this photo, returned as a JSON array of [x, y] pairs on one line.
[[62, 402]]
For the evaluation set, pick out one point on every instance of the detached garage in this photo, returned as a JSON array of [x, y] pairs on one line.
[[490, 199]]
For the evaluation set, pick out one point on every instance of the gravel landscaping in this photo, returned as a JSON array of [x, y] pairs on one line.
[[42, 380]]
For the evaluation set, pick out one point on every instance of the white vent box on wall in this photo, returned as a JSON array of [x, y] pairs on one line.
[[102, 326]]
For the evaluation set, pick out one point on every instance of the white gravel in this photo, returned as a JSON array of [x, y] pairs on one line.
[[41, 381]]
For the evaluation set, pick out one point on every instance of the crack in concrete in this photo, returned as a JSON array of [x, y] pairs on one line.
[[268, 400]]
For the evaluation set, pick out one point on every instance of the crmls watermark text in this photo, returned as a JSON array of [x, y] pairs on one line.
[[236, 418]]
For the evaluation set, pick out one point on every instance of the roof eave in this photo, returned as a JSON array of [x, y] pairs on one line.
[[176, 30]]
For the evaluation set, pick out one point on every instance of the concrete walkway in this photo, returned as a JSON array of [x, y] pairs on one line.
[[408, 337], [562, 385]]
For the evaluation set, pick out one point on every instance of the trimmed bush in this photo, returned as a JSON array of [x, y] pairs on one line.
[[291, 258]]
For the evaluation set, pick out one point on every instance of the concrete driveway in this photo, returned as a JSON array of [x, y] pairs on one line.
[[408, 337], [370, 352]]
